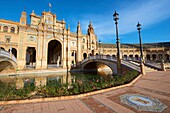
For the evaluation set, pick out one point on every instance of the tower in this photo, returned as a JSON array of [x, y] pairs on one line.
[[23, 19], [92, 39]]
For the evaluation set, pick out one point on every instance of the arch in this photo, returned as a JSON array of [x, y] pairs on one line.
[[113, 56], [112, 65], [84, 40], [5, 29], [153, 56], [31, 56], [131, 56], [166, 57], [136, 57], [7, 64], [108, 56], [92, 52], [54, 52], [14, 52], [2, 48], [84, 55], [160, 57], [148, 57], [12, 30], [72, 54], [125, 57], [97, 54]]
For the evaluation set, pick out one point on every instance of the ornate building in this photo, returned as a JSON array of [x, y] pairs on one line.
[[46, 42]]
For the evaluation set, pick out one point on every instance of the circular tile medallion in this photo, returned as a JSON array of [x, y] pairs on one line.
[[143, 103]]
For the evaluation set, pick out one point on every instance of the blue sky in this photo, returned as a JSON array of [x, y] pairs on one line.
[[154, 15]]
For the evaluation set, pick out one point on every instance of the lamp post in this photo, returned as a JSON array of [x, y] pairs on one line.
[[116, 18], [99, 47], [141, 50]]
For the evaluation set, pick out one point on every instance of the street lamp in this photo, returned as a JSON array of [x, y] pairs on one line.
[[99, 47], [141, 50], [116, 18]]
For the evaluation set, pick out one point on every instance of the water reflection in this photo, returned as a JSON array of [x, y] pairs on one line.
[[39, 80]]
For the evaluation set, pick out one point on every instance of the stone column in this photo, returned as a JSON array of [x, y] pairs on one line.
[[163, 65]]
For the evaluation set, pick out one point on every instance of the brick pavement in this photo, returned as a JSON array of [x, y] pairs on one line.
[[153, 84]]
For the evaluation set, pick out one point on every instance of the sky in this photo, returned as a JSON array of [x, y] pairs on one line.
[[154, 16]]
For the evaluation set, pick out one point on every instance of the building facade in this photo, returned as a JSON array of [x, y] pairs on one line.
[[46, 42]]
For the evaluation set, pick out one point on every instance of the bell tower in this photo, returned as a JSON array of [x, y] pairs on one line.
[[23, 19]]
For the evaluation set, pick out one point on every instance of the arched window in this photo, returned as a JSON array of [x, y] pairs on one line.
[[5, 29], [83, 40], [12, 30], [72, 54]]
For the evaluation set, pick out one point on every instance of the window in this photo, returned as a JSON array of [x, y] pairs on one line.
[[12, 30], [92, 42], [72, 54], [7, 40], [5, 29], [73, 44], [83, 40]]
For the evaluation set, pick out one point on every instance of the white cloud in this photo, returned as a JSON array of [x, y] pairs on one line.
[[147, 13]]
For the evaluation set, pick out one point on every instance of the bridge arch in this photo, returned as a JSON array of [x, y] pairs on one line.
[[112, 65], [7, 63]]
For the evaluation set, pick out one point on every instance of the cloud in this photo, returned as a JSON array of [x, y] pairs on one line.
[[147, 12]]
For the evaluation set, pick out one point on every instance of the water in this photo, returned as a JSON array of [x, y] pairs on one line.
[[21, 81], [57, 84]]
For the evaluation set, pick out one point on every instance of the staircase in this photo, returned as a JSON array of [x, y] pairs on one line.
[[147, 69]]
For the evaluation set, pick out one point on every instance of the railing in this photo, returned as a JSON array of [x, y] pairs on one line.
[[152, 64], [53, 66], [6, 54], [114, 59], [149, 63], [99, 57]]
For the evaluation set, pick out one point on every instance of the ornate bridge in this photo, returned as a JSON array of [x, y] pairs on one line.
[[7, 57], [112, 63]]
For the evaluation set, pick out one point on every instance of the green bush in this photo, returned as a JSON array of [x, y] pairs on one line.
[[56, 88]]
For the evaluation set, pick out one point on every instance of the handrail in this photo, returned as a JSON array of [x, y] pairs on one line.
[[6, 54], [99, 57], [110, 58]]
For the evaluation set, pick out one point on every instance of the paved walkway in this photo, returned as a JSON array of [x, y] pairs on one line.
[[153, 84]]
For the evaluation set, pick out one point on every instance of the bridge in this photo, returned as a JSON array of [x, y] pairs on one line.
[[7, 59], [112, 63]]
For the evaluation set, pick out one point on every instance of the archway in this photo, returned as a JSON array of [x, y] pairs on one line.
[[92, 52], [125, 57], [2, 48], [148, 57], [14, 52], [166, 57], [30, 57], [153, 57], [54, 53], [84, 55], [160, 57], [107, 56], [136, 57], [131, 57], [113, 56]]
